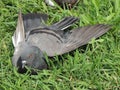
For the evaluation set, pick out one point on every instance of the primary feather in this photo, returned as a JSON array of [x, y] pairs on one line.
[[82, 36]]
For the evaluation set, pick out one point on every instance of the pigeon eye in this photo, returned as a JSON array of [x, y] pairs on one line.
[[30, 56]]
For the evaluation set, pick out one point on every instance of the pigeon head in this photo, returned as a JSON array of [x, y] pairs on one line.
[[29, 56]]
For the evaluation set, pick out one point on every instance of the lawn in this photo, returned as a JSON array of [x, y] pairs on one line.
[[95, 66]]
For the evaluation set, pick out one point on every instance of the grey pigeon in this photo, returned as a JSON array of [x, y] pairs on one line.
[[33, 39]]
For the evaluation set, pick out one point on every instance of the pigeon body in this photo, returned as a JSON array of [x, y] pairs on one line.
[[33, 39]]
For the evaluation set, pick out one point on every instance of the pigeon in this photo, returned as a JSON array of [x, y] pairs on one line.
[[33, 39], [70, 3]]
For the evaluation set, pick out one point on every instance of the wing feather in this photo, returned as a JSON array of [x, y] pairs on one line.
[[82, 36], [19, 34]]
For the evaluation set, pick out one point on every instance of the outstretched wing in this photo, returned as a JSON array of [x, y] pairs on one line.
[[53, 44], [82, 36], [19, 35]]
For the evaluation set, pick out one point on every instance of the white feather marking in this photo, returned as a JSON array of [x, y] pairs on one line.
[[13, 41], [65, 27]]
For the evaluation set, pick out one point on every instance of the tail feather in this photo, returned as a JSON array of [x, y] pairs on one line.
[[82, 36]]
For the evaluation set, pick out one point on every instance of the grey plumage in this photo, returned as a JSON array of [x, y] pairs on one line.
[[33, 38]]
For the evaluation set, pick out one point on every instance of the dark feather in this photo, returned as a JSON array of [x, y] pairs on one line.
[[34, 20], [63, 24]]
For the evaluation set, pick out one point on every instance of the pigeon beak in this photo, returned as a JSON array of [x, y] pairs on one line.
[[23, 64]]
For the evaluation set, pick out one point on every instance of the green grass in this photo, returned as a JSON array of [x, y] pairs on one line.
[[95, 68]]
